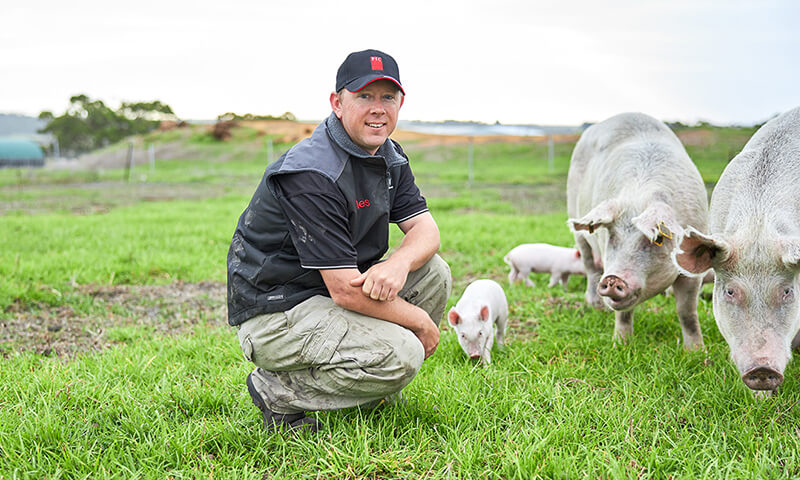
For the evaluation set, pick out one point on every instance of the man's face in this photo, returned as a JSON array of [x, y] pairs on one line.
[[369, 115]]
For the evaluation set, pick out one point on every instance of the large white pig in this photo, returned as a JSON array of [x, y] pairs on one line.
[[631, 190], [754, 249]]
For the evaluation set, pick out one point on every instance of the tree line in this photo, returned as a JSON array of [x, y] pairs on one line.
[[89, 124]]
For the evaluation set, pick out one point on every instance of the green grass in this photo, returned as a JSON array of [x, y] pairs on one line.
[[493, 163], [561, 400], [147, 243], [716, 147]]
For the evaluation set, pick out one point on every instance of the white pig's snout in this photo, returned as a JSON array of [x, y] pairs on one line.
[[762, 368], [762, 378], [618, 293], [613, 287]]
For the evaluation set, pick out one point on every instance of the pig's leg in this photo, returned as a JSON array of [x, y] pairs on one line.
[[686, 290], [501, 328], [487, 356], [554, 277], [593, 273], [565, 280], [623, 326], [796, 341], [513, 274], [526, 274]]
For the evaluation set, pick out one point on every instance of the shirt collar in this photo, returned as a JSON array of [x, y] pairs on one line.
[[339, 135]]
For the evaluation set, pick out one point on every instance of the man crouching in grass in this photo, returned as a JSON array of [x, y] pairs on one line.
[[328, 324]]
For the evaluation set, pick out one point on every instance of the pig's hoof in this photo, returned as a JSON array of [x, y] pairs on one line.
[[694, 346], [621, 338]]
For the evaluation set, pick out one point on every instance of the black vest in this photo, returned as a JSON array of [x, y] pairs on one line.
[[264, 271]]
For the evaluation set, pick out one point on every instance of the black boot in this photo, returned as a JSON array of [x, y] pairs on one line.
[[275, 421]]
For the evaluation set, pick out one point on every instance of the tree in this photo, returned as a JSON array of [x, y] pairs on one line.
[[89, 124]]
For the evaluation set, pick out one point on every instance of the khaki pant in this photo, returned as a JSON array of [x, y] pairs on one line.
[[319, 356]]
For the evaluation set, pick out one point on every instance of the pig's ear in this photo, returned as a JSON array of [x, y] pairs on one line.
[[485, 313], [602, 215], [577, 253], [658, 223], [453, 317], [790, 252], [696, 252]]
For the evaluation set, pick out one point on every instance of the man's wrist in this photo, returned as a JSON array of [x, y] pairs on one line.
[[424, 321], [401, 260]]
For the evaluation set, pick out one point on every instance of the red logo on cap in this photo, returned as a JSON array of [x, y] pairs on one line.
[[377, 63]]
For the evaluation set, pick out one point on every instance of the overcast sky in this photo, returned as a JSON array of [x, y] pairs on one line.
[[526, 61]]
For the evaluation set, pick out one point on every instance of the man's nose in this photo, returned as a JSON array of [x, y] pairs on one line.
[[377, 107]]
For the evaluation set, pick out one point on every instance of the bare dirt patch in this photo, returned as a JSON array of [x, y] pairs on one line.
[[167, 309], [697, 138], [291, 132]]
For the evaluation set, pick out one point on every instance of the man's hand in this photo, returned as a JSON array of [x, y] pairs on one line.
[[383, 280], [429, 336], [346, 295]]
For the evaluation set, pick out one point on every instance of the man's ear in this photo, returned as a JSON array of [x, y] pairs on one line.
[[453, 317], [696, 252], [336, 105], [602, 215]]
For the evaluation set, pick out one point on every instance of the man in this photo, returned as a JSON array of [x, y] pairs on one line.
[[327, 322]]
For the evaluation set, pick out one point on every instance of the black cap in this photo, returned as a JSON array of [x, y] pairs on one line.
[[360, 69]]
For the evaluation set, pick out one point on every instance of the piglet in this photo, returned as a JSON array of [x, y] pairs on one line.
[[482, 305], [559, 262]]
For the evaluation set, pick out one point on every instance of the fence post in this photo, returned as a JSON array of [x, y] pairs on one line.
[[550, 154], [151, 150], [269, 151], [129, 162]]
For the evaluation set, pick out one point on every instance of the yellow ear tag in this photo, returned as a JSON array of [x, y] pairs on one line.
[[664, 234]]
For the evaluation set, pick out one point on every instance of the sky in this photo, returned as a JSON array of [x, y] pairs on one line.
[[514, 62]]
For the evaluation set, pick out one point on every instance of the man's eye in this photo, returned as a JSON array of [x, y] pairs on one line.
[[388, 97]]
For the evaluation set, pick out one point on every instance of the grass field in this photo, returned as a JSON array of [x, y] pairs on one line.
[[118, 362]]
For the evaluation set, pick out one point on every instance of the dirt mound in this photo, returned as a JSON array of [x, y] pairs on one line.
[[696, 138], [292, 132], [168, 309]]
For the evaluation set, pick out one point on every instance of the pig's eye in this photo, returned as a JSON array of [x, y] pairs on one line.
[[788, 292], [480, 334], [730, 293]]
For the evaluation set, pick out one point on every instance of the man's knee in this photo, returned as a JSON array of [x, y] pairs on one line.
[[429, 287], [402, 365], [439, 272]]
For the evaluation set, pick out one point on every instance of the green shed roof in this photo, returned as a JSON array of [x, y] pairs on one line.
[[20, 149]]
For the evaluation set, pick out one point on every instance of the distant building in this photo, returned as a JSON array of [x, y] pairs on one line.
[[18, 152]]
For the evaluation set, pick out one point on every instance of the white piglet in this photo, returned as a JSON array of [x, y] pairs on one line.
[[482, 306], [559, 262]]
